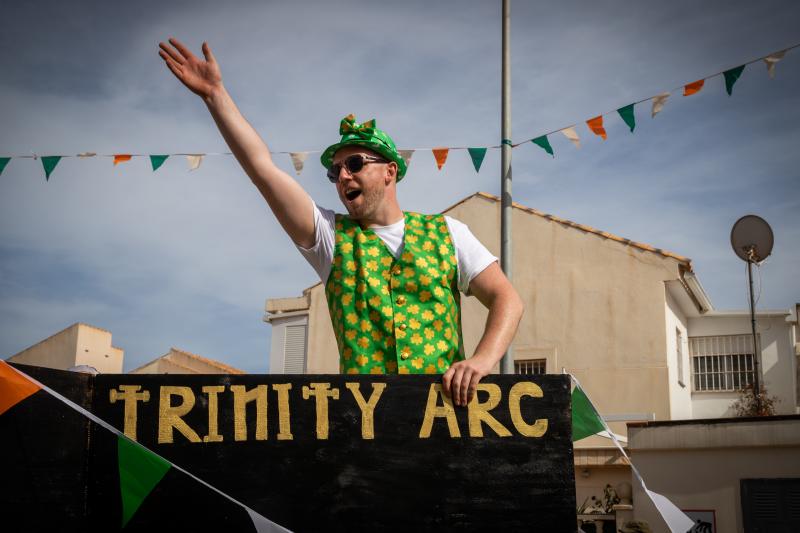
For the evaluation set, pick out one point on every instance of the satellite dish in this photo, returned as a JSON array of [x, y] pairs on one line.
[[752, 238]]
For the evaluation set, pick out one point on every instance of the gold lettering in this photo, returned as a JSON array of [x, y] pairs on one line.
[[479, 412], [525, 388], [433, 410], [130, 395], [169, 416], [241, 397], [321, 392], [284, 422], [213, 412], [368, 407]]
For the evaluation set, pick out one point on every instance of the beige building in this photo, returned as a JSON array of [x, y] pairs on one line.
[[82, 345], [79, 344], [629, 320], [181, 362]]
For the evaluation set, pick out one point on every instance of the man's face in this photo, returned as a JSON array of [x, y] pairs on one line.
[[361, 193]]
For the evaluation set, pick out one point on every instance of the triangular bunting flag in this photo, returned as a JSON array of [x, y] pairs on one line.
[[572, 135], [770, 61], [157, 161], [731, 76], [140, 470], [477, 155], [121, 158], [585, 420], [263, 525], [693, 87], [3, 162], [298, 158], [544, 143], [596, 125], [658, 104], [13, 387], [441, 156], [627, 115], [677, 521], [406, 155], [86, 154], [194, 161], [49, 163]]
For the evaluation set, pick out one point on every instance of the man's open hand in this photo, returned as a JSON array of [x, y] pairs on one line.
[[201, 77]]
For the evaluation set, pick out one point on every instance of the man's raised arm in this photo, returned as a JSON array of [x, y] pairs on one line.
[[287, 199]]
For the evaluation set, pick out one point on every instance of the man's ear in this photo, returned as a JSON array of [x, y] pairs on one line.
[[391, 174]]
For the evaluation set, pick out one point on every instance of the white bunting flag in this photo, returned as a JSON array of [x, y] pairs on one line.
[[572, 135], [406, 155], [194, 161], [298, 159], [87, 154], [771, 60], [658, 104]]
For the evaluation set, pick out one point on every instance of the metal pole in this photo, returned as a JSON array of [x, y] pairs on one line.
[[505, 167], [756, 387]]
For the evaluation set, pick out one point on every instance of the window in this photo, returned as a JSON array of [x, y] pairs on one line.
[[530, 366], [721, 363], [294, 349], [679, 351]]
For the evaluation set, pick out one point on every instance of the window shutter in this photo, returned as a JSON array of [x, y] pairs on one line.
[[294, 350]]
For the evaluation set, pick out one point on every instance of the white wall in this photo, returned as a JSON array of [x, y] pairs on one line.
[[680, 387], [777, 363]]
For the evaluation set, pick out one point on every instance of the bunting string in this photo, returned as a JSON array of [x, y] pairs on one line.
[[440, 154]]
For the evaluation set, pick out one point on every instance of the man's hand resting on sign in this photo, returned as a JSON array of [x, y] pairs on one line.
[[201, 77]]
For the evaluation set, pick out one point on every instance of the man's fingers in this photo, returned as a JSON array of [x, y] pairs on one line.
[[473, 386], [185, 52], [463, 390], [446, 381], [171, 63], [207, 53], [171, 53], [455, 386]]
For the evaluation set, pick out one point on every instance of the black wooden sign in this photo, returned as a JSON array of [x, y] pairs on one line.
[[309, 452]]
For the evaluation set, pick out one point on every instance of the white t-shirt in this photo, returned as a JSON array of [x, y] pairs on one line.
[[472, 256]]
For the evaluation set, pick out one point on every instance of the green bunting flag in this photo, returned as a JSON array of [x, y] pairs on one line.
[[140, 470], [731, 76], [544, 143], [585, 420], [157, 161], [49, 163], [3, 162], [627, 115], [477, 155]]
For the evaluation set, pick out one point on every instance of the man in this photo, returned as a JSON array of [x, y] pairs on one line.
[[392, 278]]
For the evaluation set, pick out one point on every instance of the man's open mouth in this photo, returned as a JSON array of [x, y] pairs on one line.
[[352, 194]]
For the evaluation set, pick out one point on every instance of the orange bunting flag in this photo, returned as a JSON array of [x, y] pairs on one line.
[[596, 125], [441, 156], [121, 158], [13, 387], [693, 87]]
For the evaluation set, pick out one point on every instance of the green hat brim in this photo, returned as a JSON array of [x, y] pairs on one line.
[[386, 152]]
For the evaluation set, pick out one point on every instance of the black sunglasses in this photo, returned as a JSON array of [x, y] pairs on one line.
[[354, 163]]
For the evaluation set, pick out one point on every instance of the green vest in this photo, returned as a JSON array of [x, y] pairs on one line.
[[395, 315]]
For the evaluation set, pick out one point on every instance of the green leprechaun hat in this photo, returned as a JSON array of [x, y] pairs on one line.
[[368, 136]]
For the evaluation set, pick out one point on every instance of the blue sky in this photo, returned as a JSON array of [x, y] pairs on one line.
[[186, 259]]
